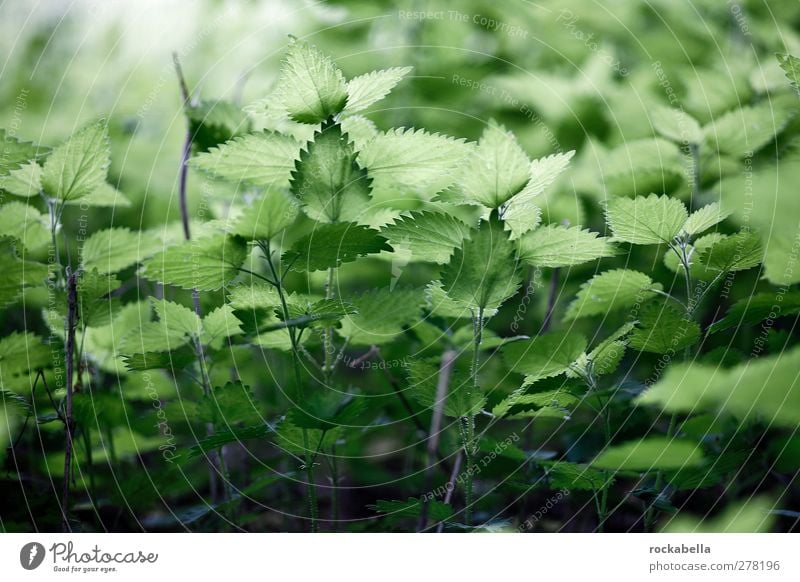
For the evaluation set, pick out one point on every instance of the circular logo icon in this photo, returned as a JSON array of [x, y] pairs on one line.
[[31, 555]]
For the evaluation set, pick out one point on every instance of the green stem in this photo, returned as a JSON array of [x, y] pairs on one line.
[[308, 458], [469, 421], [327, 337]]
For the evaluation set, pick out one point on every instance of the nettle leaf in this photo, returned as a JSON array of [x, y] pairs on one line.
[[260, 159], [663, 329], [611, 291], [24, 181], [359, 129], [574, 477], [95, 308], [646, 220], [214, 122], [381, 316], [676, 125], [650, 454], [114, 249], [408, 160], [294, 439], [328, 409], [521, 217], [427, 236], [763, 389], [271, 213], [642, 166], [178, 318], [548, 403], [327, 180], [544, 172], [704, 218], [521, 214], [104, 195], [545, 355], [78, 166], [497, 169], [695, 252], [229, 405], [743, 131], [16, 154], [757, 308], [440, 304], [607, 355], [177, 359], [737, 252], [412, 508], [365, 90], [754, 515], [22, 351], [256, 295], [330, 245], [24, 223], [791, 67], [206, 264], [311, 88], [563, 246], [483, 273], [19, 274], [324, 313], [462, 398]]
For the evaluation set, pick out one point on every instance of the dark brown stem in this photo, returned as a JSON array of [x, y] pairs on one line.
[[69, 352]]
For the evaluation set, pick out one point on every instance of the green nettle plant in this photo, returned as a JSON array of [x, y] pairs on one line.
[[247, 369]]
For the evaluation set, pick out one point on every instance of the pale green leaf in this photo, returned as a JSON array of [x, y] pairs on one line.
[[563, 246], [327, 180], [791, 67], [497, 169], [311, 87], [16, 153], [206, 265], [271, 213], [766, 389], [24, 223], [676, 125], [649, 454], [704, 218], [260, 159], [427, 236], [24, 181], [483, 272], [330, 245], [743, 131], [757, 308], [611, 291], [737, 252], [663, 330], [381, 316], [646, 220], [365, 90], [177, 317], [114, 249], [17, 275], [545, 355], [79, 166], [413, 160], [105, 195]]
